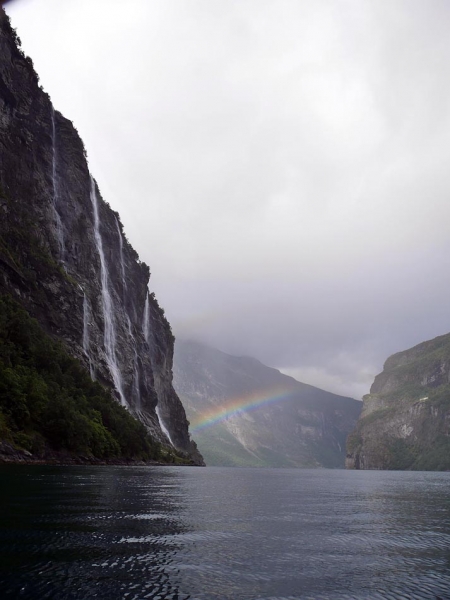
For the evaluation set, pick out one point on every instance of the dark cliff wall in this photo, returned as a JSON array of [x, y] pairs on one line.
[[63, 254], [405, 422]]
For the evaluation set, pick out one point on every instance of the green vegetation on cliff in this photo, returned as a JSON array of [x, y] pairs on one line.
[[411, 434], [405, 422], [47, 399]]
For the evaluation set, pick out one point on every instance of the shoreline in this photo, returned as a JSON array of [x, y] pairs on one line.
[[9, 455]]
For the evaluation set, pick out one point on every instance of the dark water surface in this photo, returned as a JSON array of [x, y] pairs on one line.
[[244, 534]]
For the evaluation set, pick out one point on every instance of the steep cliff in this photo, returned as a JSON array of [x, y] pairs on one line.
[[244, 413], [64, 256], [405, 421]]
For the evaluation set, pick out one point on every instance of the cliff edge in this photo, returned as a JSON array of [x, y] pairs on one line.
[[65, 258], [405, 421]]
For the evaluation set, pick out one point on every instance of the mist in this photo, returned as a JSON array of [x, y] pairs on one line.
[[281, 166]]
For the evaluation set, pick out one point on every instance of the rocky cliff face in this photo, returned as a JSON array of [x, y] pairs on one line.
[[64, 256], [405, 421], [270, 419]]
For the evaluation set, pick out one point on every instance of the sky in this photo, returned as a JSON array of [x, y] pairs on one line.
[[281, 165]]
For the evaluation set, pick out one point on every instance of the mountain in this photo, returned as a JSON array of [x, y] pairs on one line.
[[65, 258], [270, 419], [405, 421]]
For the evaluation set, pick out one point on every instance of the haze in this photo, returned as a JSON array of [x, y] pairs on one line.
[[282, 166]]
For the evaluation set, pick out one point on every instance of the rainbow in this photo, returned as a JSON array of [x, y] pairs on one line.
[[239, 405]]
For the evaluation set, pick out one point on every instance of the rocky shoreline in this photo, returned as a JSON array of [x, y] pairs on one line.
[[17, 456]]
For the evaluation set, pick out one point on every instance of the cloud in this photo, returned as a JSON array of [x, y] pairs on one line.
[[282, 166]]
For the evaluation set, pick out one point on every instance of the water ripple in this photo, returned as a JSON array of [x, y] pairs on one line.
[[237, 534]]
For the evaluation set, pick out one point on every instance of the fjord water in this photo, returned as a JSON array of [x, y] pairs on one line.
[[222, 533]]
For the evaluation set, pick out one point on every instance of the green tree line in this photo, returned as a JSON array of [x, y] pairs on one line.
[[47, 398]]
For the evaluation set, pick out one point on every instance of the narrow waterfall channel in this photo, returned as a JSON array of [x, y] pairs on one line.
[[107, 304], [56, 215], [86, 337], [146, 321], [122, 261], [136, 386], [163, 427], [146, 332]]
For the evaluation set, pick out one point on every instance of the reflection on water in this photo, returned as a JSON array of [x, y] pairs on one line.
[[64, 532], [245, 534]]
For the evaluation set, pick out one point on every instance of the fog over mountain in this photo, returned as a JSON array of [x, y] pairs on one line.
[[243, 413], [281, 165]]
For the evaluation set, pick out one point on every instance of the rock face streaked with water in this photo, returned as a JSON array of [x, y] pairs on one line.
[[289, 424], [64, 256], [405, 421]]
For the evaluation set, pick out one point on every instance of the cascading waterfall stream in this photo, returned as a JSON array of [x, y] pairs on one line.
[[146, 321], [55, 198], [107, 304], [146, 332], [86, 337], [122, 262], [163, 427], [136, 387]]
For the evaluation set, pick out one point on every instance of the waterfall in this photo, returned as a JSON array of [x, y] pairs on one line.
[[136, 388], [146, 332], [146, 320], [109, 332], [55, 199], [163, 427], [86, 338], [122, 262]]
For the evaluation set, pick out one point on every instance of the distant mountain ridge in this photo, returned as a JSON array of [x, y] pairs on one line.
[[405, 421], [244, 413]]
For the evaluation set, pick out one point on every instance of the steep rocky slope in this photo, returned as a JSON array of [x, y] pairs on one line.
[[64, 255], [405, 421], [271, 419]]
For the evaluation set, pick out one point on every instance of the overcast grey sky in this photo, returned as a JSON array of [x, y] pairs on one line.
[[283, 166]]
